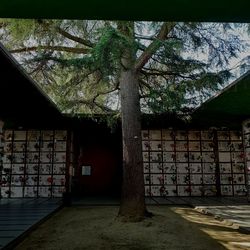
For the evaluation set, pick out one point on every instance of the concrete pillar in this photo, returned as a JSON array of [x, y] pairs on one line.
[[246, 142]]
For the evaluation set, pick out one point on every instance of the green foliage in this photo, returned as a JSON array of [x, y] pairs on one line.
[[168, 98], [108, 50], [20, 30], [188, 65]]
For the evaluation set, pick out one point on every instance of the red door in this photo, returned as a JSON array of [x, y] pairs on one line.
[[105, 172]]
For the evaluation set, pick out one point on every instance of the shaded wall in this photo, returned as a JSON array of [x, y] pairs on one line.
[[100, 148]]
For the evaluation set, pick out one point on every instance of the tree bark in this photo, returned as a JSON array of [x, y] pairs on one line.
[[132, 207]]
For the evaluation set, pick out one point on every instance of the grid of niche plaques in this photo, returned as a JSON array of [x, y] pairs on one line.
[[231, 161], [178, 163], [34, 163], [246, 131]]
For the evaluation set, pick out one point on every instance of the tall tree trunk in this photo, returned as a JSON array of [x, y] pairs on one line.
[[132, 207]]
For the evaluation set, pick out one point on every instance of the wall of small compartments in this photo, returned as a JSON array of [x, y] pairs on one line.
[[193, 163], [246, 131], [1, 154], [34, 163], [231, 163]]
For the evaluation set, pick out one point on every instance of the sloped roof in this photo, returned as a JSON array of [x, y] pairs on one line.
[[170, 10], [21, 98], [229, 107]]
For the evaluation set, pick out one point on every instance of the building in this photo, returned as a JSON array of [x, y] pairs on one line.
[[45, 153], [35, 138]]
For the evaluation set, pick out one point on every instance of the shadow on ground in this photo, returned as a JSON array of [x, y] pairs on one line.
[[95, 228]]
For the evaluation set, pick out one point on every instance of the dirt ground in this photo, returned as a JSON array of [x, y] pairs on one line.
[[95, 228]]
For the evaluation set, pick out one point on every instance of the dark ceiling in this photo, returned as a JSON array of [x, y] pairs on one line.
[[176, 10]]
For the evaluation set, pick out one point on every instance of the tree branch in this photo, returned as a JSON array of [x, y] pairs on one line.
[[48, 47], [154, 46], [141, 85], [155, 72], [3, 25], [91, 104], [75, 38], [66, 34], [106, 92]]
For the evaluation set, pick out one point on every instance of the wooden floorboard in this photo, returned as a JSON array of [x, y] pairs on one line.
[[17, 216]]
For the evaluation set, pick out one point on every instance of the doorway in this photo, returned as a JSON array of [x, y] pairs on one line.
[[99, 166]]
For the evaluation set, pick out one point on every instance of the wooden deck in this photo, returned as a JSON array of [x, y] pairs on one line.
[[19, 216]]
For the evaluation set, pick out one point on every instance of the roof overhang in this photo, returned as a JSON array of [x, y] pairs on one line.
[[21, 98], [169, 10], [229, 107]]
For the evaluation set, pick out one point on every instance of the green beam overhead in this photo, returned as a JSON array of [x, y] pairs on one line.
[[169, 10], [231, 105]]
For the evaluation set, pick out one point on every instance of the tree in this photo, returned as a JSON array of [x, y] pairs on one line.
[[107, 66]]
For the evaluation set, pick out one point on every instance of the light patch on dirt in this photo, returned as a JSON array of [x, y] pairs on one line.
[[96, 228], [223, 231]]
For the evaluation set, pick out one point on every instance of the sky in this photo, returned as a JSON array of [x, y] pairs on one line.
[[233, 63]]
